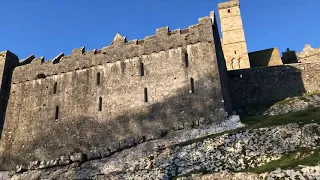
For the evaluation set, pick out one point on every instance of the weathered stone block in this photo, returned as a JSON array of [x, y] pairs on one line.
[[64, 160], [78, 157]]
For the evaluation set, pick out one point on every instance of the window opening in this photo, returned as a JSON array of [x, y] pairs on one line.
[[192, 85], [98, 78], [57, 112], [186, 59], [145, 95], [55, 88], [100, 104], [141, 69]]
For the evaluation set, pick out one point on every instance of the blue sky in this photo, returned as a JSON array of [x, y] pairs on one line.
[[48, 27]]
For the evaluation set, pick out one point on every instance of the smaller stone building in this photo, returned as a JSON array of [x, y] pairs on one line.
[[267, 57]]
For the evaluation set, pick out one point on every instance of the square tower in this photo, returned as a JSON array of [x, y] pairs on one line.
[[233, 40]]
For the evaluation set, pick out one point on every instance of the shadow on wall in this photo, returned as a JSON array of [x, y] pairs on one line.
[[67, 136], [260, 58], [267, 57], [257, 89], [5, 89]]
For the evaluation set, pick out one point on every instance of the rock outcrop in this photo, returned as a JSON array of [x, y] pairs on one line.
[[166, 159], [295, 104]]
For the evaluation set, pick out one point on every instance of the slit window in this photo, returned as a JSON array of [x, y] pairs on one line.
[[141, 69], [186, 59], [235, 52], [192, 85], [55, 86], [57, 113], [145, 95], [100, 104], [229, 11], [98, 78]]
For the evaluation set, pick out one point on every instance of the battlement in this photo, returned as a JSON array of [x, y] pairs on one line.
[[119, 50], [228, 4], [308, 54]]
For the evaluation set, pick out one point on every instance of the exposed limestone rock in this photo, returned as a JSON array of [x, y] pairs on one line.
[[294, 104], [302, 173], [218, 155]]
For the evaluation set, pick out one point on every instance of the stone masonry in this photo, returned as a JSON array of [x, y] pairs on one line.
[[233, 39], [133, 92], [136, 90]]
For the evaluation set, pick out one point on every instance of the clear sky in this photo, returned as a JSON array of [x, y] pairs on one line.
[[48, 27]]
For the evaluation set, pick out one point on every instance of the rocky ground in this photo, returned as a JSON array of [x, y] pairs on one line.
[[214, 156], [301, 173], [295, 104]]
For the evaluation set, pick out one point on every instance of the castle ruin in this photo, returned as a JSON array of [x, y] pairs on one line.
[[139, 90]]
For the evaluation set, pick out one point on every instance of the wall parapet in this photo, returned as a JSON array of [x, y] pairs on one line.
[[120, 49], [308, 54]]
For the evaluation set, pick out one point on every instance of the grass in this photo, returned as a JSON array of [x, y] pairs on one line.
[[302, 156], [311, 115], [303, 97]]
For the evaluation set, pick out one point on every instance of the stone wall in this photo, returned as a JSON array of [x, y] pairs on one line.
[[129, 90], [267, 57], [7, 63], [259, 87]]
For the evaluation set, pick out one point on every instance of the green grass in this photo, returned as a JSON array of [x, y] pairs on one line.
[[303, 97], [302, 156], [311, 115]]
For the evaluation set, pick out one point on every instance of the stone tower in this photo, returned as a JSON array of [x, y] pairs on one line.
[[233, 40]]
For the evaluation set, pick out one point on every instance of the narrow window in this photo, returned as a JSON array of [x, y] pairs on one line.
[[229, 11], [145, 95], [55, 88], [141, 69], [98, 78], [100, 104], [57, 112], [192, 85], [235, 52], [186, 59]]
